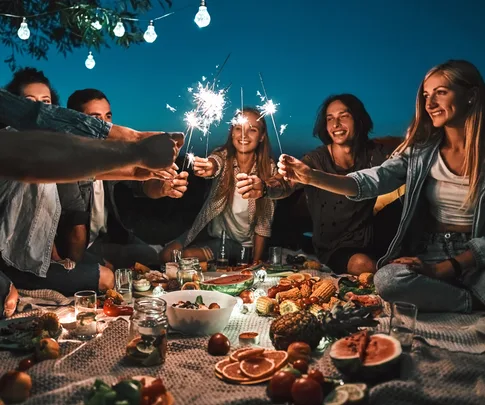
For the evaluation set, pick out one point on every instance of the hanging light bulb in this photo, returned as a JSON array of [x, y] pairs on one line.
[[23, 32], [90, 62], [202, 18], [150, 35], [96, 25], [119, 30]]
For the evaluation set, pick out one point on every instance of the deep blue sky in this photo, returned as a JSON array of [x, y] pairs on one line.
[[306, 50]]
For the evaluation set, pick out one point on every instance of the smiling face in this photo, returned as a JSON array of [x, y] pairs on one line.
[[37, 92], [446, 103], [247, 136], [99, 108], [340, 123]]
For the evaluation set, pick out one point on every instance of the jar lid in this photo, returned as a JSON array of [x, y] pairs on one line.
[[249, 338]]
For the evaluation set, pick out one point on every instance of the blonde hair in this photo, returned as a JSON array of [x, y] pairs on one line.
[[421, 131]]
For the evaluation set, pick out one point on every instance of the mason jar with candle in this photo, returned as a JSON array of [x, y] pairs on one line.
[[190, 271], [147, 337]]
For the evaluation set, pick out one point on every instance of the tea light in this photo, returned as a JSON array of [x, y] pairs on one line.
[[249, 338], [68, 321]]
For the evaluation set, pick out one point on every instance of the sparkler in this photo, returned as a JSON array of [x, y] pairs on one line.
[[269, 108], [209, 109], [169, 107], [283, 128]]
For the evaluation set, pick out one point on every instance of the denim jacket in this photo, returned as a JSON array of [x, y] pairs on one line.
[[29, 213], [412, 168]]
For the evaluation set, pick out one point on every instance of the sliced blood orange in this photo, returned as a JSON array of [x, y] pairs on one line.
[[280, 357], [233, 355], [233, 373], [296, 277], [223, 363], [247, 354], [257, 367]]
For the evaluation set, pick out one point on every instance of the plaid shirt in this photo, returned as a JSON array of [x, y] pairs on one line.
[[214, 206]]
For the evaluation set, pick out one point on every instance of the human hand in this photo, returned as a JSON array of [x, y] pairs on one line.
[[203, 167], [159, 151], [438, 271], [141, 174], [293, 169], [174, 188], [249, 186]]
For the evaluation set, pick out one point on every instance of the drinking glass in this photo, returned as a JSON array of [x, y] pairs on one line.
[[246, 255], [124, 283], [403, 322], [275, 255], [85, 312]]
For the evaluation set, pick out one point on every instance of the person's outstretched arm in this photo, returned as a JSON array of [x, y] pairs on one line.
[[44, 157]]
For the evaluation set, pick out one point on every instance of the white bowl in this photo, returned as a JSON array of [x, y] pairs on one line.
[[197, 321]]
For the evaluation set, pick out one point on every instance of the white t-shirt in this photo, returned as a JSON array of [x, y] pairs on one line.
[[234, 220], [99, 213]]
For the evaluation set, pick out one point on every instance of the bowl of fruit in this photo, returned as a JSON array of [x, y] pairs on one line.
[[197, 312]]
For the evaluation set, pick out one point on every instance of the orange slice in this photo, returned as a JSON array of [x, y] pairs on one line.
[[286, 281], [223, 363], [247, 354], [307, 276], [280, 357], [233, 355], [257, 367], [233, 373]]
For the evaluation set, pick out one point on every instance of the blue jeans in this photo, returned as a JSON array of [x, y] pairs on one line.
[[397, 282]]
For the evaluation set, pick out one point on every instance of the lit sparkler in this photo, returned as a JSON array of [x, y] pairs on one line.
[[190, 159], [169, 107], [283, 128], [269, 108]]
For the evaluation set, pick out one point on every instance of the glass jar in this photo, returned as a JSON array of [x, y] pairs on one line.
[[190, 271], [147, 337]]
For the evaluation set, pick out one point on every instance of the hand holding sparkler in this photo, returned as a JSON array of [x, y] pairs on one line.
[[174, 188], [158, 151], [249, 186], [204, 167], [293, 169]]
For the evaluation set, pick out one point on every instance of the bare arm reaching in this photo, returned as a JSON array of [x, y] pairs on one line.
[[44, 157]]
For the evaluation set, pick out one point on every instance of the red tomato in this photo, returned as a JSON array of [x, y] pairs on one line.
[[301, 366], [279, 388], [306, 391]]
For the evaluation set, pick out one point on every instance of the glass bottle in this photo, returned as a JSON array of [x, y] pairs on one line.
[[222, 260], [190, 271], [147, 337]]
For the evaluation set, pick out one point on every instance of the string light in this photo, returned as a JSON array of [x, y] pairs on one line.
[[150, 35], [23, 32], [96, 25], [90, 62], [119, 30], [202, 18]]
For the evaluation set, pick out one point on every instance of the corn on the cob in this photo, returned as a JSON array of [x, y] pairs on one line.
[[288, 306], [265, 305], [292, 294], [316, 309], [305, 291], [325, 291]]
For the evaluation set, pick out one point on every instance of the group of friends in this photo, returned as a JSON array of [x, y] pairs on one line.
[[60, 227]]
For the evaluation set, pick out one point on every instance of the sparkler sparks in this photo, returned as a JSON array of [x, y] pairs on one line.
[[268, 108], [239, 118], [169, 107], [283, 128], [190, 159]]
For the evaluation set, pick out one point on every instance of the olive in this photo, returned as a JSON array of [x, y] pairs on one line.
[[219, 345]]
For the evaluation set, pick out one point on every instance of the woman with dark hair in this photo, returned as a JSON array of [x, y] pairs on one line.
[[245, 222], [342, 229]]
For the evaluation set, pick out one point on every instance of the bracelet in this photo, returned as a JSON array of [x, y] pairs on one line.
[[456, 267], [265, 189]]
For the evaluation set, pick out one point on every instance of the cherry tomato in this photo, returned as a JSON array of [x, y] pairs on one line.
[[301, 366], [154, 390], [306, 391], [316, 375], [25, 364], [272, 291], [279, 388], [314, 300], [219, 345]]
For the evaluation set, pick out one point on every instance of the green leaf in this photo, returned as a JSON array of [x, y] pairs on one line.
[[199, 300]]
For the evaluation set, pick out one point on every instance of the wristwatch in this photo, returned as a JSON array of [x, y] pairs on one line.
[[264, 189]]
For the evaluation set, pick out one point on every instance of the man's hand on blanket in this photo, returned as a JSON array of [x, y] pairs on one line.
[[10, 304], [440, 271]]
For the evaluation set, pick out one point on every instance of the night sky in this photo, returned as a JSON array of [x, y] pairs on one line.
[[306, 50]]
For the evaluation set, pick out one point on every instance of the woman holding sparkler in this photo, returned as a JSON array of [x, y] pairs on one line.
[[245, 222], [342, 229], [437, 258]]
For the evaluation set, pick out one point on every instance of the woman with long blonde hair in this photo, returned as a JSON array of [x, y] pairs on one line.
[[437, 258], [245, 222]]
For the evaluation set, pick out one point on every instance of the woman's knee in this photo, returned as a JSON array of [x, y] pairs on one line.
[[106, 278], [391, 280], [361, 263]]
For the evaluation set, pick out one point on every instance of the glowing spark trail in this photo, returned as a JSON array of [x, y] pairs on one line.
[[269, 108], [169, 107], [283, 128], [190, 159], [190, 89]]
